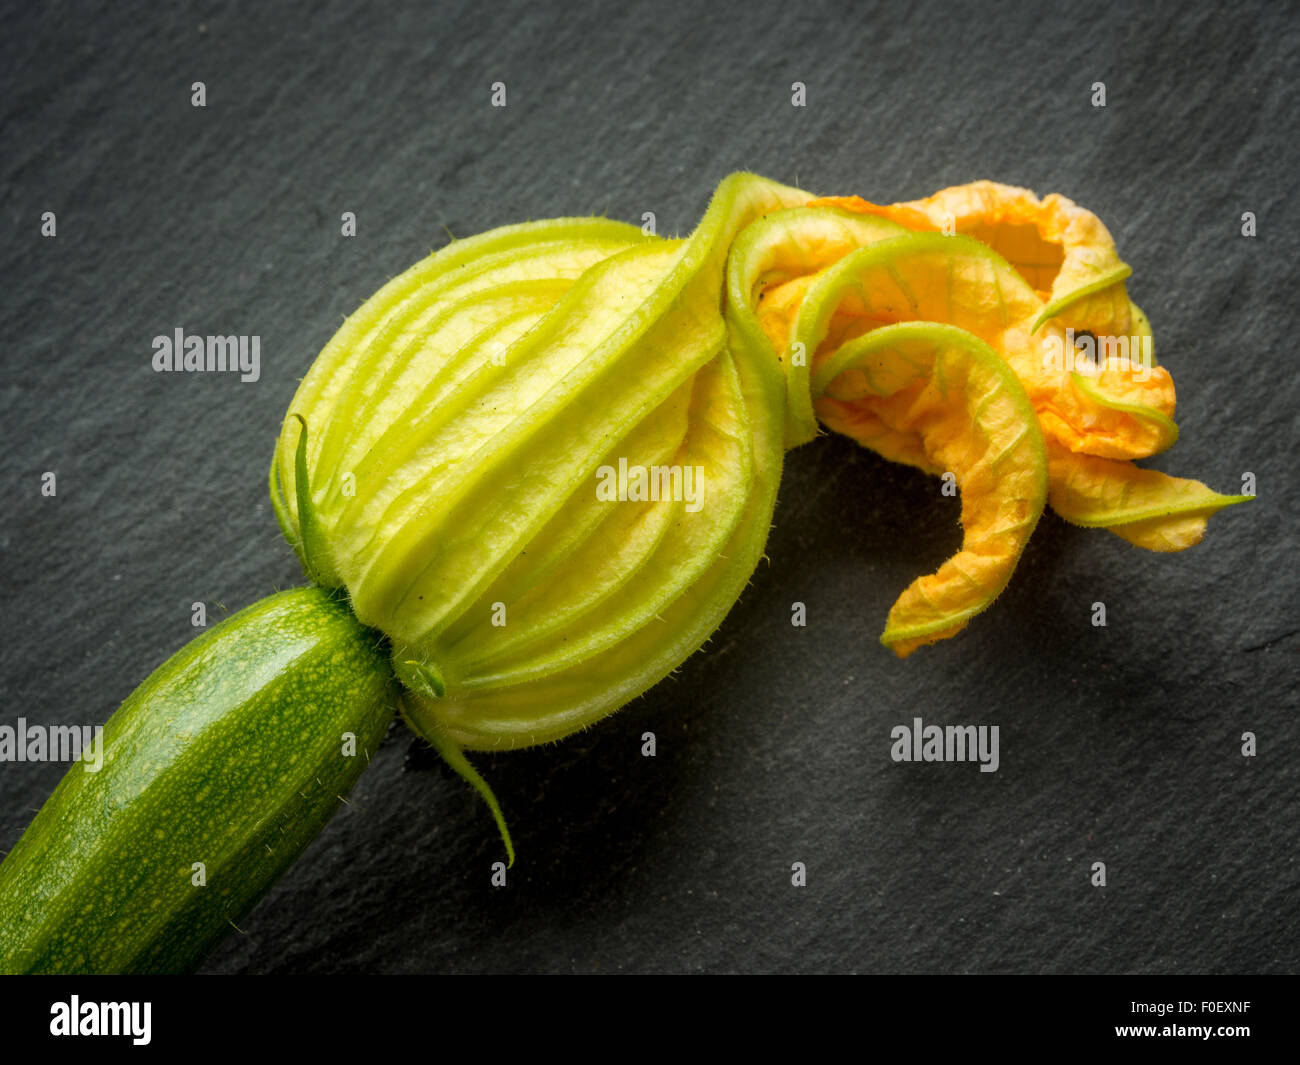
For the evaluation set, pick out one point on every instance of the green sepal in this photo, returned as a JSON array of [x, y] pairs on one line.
[[311, 543], [419, 676], [454, 756], [282, 516]]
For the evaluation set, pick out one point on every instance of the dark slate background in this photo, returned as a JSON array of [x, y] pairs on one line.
[[1118, 745]]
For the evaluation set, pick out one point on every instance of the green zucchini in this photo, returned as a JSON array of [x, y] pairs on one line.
[[234, 753]]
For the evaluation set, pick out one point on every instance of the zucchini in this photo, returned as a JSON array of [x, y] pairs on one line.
[[232, 754]]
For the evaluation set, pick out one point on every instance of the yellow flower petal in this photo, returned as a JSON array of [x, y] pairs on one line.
[[940, 398]]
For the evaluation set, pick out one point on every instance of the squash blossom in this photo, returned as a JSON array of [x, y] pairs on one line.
[[446, 457], [533, 473]]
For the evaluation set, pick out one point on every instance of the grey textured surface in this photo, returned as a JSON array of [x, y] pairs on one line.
[[1118, 745]]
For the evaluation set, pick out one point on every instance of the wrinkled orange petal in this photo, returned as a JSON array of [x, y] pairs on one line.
[[1038, 283], [1056, 245], [937, 397], [1146, 507]]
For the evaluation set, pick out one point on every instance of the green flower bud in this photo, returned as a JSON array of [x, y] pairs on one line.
[[538, 466]]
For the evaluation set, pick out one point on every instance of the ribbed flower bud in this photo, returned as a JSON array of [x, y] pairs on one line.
[[537, 466]]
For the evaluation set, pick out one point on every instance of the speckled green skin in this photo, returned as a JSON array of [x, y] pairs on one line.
[[230, 754]]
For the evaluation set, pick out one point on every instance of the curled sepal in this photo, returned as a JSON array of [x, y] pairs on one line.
[[942, 399], [1145, 507], [310, 543], [423, 725]]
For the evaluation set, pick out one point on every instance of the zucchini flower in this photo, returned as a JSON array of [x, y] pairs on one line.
[[543, 462]]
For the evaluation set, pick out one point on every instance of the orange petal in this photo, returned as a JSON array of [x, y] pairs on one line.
[[939, 398], [1146, 507]]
